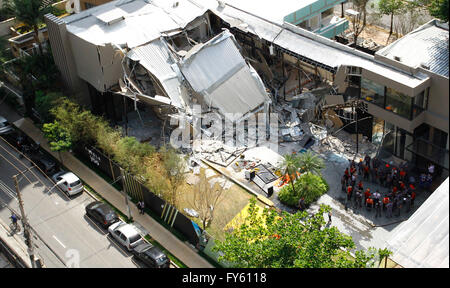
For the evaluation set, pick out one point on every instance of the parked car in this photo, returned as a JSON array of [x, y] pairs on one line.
[[151, 256], [125, 234], [4, 126], [72, 184], [102, 213], [44, 162]]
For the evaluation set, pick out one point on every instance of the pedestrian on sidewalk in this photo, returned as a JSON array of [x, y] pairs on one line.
[[141, 207], [329, 217]]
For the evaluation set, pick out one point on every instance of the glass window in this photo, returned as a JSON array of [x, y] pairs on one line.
[[398, 103], [420, 103], [372, 92], [327, 13], [314, 22]]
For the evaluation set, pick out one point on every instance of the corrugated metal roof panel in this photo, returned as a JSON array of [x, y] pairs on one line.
[[239, 94], [213, 63], [155, 57], [427, 45]]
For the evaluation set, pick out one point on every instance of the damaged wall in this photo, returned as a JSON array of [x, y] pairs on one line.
[[98, 65]]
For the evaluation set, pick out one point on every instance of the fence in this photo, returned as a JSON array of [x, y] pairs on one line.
[[138, 191]]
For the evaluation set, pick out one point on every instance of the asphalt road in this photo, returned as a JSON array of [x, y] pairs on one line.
[[65, 236]]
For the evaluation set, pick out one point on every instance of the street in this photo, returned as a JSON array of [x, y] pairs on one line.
[[66, 237]]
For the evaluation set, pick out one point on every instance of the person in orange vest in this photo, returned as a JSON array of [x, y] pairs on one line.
[[385, 202], [360, 185], [367, 194], [369, 203], [366, 172]]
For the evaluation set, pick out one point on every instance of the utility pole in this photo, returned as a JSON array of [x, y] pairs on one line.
[[26, 226], [356, 114]]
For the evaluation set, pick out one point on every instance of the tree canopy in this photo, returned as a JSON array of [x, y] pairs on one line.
[[270, 240], [439, 9]]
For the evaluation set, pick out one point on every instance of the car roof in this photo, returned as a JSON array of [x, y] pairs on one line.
[[70, 177], [154, 252], [128, 230], [142, 247]]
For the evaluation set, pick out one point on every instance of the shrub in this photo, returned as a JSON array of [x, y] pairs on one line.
[[310, 186], [44, 103]]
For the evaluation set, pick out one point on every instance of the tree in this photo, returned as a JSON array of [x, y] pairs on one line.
[[390, 7], [384, 253], [288, 240], [31, 14], [290, 164], [309, 162], [439, 9], [358, 26], [205, 199], [308, 186], [174, 170], [44, 102], [58, 137]]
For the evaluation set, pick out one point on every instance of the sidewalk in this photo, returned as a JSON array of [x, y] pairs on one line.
[[178, 248], [15, 244]]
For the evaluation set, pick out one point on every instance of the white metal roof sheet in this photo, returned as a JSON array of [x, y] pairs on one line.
[[239, 94], [155, 57], [423, 240], [213, 63], [133, 23], [426, 45]]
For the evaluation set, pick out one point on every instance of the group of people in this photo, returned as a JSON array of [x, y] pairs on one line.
[[400, 187]]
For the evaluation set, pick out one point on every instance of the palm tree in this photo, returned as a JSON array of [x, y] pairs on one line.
[[31, 14], [290, 163], [309, 162]]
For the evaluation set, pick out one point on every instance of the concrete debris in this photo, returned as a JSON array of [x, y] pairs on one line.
[[191, 212], [217, 152]]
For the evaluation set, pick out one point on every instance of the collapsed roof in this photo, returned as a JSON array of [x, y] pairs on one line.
[[214, 72]]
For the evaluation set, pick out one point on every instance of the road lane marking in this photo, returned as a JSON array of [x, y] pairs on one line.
[[7, 190], [59, 242]]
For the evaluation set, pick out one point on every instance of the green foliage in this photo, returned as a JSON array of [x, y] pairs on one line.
[[292, 240], [30, 12], [174, 170], [310, 162], [59, 138], [389, 7], [45, 102], [130, 153], [308, 185], [439, 9], [44, 69]]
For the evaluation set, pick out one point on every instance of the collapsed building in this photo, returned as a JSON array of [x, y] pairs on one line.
[[170, 55]]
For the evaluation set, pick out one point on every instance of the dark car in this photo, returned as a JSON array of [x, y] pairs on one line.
[[44, 162], [102, 213], [151, 256]]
